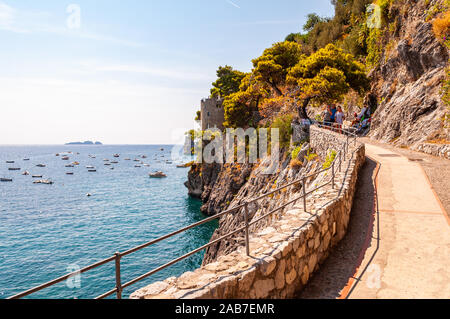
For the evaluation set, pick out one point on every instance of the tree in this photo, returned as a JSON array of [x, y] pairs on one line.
[[326, 76], [275, 62], [239, 107], [311, 22], [228, 81]]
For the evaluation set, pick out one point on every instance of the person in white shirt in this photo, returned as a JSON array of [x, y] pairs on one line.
[[339, 118]]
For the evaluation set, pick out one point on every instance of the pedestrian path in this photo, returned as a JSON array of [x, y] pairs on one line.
[[411, 235]]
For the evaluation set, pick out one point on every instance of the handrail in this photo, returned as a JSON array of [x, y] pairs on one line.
[[341, 155]]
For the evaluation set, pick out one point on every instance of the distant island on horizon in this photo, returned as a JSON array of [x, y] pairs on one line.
[[84, 143]]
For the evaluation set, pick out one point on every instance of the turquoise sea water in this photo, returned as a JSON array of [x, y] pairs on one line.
[[49, 230]]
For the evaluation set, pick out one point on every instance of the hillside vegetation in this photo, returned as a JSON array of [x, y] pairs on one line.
[[379, 53]]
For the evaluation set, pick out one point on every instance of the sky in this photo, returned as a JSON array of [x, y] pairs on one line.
[[126, 72]]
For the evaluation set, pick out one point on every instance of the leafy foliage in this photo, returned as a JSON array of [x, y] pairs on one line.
[[283, 123], [274, 64], [327, 75], [329, 160], [227, 83]]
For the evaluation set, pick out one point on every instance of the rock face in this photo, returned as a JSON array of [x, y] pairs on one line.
[[407, 82], [216, 184]]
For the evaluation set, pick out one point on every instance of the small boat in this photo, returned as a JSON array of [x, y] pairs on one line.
[[26, 173], [40, 165], [182, 165], [69, 173], [70, 165], [116, 155], [92, 170], [107, 164], [36, 176], [162, 149], [106, 160], [6, 180], [9, 162], [147, 165], [65, 158], [137, 160], [112, 168], [26, 159], [90, 167], [157, 175], [88, 194], [143, 156], [57, 154], [169, 162], [137, 165], [76, 163], [127, 159], [43, 181], [13, 169], [114, 162]]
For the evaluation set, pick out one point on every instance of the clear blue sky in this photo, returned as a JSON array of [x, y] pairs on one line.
[[132, 72]]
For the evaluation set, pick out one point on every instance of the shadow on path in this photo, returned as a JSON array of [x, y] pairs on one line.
[[342, 263]]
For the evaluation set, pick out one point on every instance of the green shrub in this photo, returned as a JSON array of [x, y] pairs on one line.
[[329, 160], [283, 123], [295, 152]]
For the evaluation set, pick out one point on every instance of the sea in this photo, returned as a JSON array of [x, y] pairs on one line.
[[49, 230]]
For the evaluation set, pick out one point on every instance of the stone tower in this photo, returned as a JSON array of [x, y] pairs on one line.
[[212, 114]]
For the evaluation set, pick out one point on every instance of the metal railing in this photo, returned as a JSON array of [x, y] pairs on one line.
[[334, 167]]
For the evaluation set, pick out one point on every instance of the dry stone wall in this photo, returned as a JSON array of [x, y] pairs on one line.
[[284, 255]]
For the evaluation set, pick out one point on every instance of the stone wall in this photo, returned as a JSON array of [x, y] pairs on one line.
[[212, 114], [284, 254], [441, 150]]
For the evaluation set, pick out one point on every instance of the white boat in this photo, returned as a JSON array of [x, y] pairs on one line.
[[43, 181], [116, 155]]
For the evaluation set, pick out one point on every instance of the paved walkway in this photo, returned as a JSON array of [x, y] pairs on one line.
[[402, 250]]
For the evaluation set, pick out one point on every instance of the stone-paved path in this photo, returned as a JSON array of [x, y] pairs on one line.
[[398, 241]]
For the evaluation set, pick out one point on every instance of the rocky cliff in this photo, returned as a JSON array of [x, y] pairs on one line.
[[407, 82]]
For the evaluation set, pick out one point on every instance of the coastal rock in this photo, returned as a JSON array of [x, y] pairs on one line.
[[408, 81]]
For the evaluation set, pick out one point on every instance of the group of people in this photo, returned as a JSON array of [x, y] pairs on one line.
[[333, 116]]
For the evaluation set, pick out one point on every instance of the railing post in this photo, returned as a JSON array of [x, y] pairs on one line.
[[304, 193], [118, 281], [247, 242], [340, 160], [332, 175]]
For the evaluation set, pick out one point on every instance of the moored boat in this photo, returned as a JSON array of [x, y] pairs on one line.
[[157, 175], [9, 162], [26, 173], [6, 180], [36, 176], [14, 169], [40, 165]]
